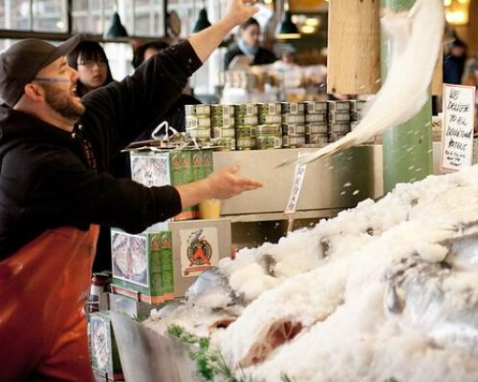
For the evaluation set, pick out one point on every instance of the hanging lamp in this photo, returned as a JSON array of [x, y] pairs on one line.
[[202, 22], [116, 28], [287, 29]]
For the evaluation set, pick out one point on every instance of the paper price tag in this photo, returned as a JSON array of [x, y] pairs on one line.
[[458, 129], [299, 175]]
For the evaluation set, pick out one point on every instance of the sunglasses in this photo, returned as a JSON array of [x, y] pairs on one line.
[[51, 79]]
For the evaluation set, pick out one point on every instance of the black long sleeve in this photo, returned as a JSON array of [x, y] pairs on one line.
[[47, 181], [119, 112]]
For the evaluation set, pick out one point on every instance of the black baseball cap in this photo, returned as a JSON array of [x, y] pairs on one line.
[[20, 63]]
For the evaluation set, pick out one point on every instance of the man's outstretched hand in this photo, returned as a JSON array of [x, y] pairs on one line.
[[221, 184]]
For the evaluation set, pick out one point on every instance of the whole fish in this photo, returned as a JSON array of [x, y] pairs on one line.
[[441, 301]]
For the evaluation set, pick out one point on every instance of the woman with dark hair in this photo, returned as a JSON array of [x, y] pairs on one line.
[[145, 51], [248, 45], [90, 60]]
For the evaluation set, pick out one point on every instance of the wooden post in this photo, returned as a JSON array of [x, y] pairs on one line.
[[353, 47]]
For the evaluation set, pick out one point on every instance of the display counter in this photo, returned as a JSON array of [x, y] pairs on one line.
[[330, 185]]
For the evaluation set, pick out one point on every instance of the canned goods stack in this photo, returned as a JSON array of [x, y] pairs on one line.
[[246, 126], [293, 124], [356, 110], [316, 123], [356, 115], [223, 126], [198, 123], [339, 119], [269, 131]]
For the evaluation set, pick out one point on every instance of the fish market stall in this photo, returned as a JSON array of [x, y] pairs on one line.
[[357, 297], [384, 291]]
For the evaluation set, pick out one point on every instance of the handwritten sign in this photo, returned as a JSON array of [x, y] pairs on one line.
[[457, 130], [299, 175]]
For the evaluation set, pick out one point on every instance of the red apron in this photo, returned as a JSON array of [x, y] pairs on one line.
[[43, 290]]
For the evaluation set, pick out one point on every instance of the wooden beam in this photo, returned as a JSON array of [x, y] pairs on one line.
[[353, 47]]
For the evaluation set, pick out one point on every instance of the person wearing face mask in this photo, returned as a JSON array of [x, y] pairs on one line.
[[90, 60], [248, 45]]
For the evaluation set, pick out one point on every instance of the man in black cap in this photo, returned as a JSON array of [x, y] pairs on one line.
[[54, 191]]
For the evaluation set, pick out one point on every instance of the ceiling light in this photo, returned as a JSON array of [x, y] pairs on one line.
[[312, 22], [307, 29]]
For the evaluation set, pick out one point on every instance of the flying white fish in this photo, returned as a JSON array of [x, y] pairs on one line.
[[416, 37]]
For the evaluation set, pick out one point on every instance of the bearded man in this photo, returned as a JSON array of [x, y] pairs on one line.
[[55, 149]]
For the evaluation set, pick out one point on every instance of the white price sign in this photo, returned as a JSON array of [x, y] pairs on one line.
[[457, 133], [299, 175]]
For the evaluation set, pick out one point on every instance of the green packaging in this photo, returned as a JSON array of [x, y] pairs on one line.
[[143, 265]]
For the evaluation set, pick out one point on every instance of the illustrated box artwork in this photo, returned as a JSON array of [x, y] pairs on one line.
[[104, 352], [173, 168], [143, 265]]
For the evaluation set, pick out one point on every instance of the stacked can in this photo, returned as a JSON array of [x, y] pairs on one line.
[[269, 131], [223, 126], [198, 123], [356, 115], [293, 124], [246, 119], [316, 123], [339, 119]]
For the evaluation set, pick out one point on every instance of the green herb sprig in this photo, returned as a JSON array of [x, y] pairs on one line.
[[210, 363]]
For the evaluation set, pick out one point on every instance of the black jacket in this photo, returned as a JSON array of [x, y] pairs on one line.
[[48, 181], [263, 56]]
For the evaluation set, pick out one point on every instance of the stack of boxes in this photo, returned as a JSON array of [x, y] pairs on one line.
[[293, 124], [316, 127], [246, 126], [339, 119], [159, 264], [269, 131], [223, 126], [356, 112], [175, 168], [272, 125], [143, 264], [198, 123], [356, 115]]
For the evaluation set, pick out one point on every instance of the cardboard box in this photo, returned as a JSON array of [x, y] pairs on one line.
[[165, 273], [104, 352], [202, 163], [161, 169], [143, 264], [174, 168]]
